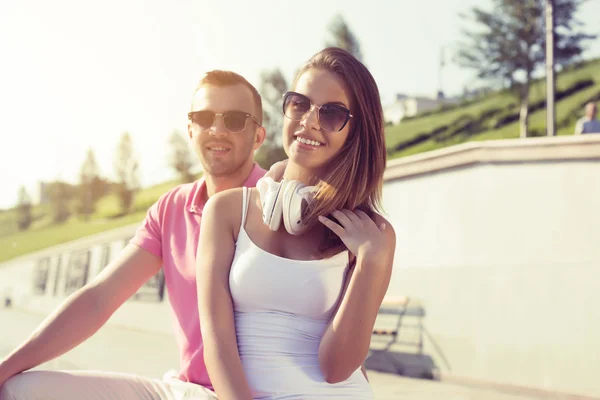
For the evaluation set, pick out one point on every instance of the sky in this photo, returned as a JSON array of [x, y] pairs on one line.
[[76, 75]]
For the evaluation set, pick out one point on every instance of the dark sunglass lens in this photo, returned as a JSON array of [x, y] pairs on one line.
[[295, 106], [235, 121], [204, 119], [332, 117]]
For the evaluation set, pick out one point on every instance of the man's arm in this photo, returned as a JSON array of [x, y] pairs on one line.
[[84, 312]]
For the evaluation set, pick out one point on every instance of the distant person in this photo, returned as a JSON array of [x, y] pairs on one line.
[[225, 129], [588, 123], [291, 274]]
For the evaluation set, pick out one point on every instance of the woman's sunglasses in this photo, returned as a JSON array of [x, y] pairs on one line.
[[331, 117], [234, 121]]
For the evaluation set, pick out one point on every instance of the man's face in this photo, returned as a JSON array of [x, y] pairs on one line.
[[591, 111], [222, 152]]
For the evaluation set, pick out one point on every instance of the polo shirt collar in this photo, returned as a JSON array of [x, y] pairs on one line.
[[194, 202]]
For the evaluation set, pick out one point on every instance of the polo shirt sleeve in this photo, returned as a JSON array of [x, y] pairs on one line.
[[579, 127], [148, 235]]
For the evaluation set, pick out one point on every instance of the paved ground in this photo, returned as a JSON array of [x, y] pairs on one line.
[[126, 350]]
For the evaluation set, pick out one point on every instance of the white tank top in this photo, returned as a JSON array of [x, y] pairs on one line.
[[282, 308]]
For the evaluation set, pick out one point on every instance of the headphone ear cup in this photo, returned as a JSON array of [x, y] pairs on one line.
[[277, 208], [291, 216], [283, 201], [270, 191], [296, 200]]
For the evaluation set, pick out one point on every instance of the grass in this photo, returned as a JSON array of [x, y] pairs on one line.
[[43, 233], [36, 239], [108, 207], [487, 118]]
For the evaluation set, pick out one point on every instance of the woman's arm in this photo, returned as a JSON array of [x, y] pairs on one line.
[[346, 342], [364, 371], [215, 255]]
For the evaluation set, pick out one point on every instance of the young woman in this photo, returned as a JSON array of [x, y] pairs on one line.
[[291, 274]]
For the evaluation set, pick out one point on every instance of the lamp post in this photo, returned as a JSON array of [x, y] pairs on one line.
[[550, 75]]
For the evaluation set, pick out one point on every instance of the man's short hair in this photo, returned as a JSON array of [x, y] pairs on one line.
[[230, 78]]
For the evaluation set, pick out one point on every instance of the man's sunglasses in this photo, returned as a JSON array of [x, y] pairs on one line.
[[234, 121], [331, 117]]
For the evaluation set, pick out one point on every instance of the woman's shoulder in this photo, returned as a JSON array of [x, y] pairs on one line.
[[225, 197], [227, 204], [378, 218], [388, 229]]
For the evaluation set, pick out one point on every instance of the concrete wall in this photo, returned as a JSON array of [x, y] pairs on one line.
[[145, 313], [504, 255]]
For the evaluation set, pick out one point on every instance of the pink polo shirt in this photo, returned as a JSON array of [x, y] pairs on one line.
[[171, 231]]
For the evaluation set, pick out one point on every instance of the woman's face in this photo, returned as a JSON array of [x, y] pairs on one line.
[[311, 138]]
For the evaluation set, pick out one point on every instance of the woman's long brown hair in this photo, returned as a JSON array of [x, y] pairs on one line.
[[353, 179]]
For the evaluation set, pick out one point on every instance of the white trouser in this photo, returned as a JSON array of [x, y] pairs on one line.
[[97, 385]]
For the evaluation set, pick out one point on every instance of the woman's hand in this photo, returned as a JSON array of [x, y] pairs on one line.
[[365, 239], [372, 241]]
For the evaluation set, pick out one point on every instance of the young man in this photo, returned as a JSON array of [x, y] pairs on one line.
[[588, 123], [225, 128]]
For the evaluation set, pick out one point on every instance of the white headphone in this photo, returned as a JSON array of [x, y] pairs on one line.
[[285, 200]]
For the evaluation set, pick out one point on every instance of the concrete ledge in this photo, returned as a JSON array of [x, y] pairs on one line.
[[82, 243], [516, 390], [562, 148]]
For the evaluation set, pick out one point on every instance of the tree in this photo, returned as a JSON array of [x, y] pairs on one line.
[[343, 37], [24, 216], [90, 186], [126, 167], [509, 46], [272, 87], [181, 158], [60, 195]]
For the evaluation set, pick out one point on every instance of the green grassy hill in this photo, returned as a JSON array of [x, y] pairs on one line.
[[494, 116], [42, 233]]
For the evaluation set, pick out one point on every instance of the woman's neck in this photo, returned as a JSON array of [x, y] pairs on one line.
[[298, 173]]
